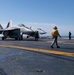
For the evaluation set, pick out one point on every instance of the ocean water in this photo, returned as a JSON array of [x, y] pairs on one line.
[[67, 36]]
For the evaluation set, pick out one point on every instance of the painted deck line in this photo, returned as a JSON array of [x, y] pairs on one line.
[[40, 50]]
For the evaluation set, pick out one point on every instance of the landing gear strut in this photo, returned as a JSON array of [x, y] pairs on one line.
[[3, 38]]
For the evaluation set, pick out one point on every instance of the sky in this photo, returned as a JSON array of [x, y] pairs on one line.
[[43, 14]]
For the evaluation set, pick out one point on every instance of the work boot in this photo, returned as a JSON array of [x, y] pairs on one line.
[[58, 47], [51, 46]]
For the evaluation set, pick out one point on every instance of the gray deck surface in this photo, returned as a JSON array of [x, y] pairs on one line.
[[15, 61]]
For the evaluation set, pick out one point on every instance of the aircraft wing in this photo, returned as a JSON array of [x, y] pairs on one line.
[[8, 29]]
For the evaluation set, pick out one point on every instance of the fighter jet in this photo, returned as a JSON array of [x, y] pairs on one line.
[[18, 31]]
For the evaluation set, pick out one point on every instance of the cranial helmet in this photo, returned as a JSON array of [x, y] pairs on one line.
[[55, 27]]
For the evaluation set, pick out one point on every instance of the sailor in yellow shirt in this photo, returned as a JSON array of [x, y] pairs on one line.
[[55, 35]]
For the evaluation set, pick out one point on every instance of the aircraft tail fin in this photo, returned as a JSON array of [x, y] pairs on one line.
[[1, 26], [9, 24], [41, 31]]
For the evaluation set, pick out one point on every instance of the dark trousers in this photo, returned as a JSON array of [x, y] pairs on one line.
[[36, 39], [69, 37], [54, 41]]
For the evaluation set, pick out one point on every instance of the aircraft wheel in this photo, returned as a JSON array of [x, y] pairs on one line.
[[19, 38], [27, 36], [2, 38], [16, 38]]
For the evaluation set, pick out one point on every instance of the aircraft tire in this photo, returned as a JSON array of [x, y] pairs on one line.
[[2, 38], [16, 38], [27, 36]]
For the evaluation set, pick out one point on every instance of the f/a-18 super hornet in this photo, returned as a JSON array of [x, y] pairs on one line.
[[18, 31]]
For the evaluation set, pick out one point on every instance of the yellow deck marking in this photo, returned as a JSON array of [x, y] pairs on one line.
[[40, 50]]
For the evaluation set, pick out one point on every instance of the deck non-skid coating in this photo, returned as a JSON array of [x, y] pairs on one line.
[[40, 50]]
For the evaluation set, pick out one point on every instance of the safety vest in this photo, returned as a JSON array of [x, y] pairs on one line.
[[55, 33]]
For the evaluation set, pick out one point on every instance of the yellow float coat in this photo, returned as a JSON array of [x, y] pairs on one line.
[[55, 33]]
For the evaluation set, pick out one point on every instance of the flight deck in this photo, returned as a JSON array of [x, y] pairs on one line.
[[29, 57]]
